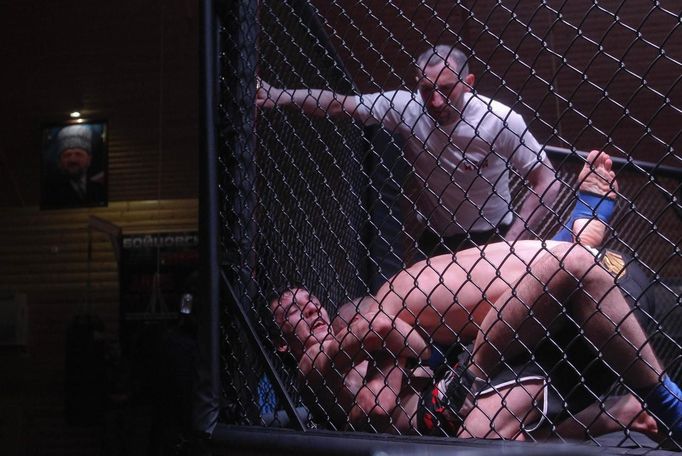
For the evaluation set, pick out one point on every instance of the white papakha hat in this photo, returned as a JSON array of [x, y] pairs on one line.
[[74, 137]]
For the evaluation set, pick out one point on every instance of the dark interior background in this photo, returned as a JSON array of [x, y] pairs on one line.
[[135, 65]]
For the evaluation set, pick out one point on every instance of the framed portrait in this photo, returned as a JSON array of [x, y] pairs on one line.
[[74, 165]]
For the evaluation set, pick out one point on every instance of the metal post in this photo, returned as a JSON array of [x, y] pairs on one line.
[[207, 390]]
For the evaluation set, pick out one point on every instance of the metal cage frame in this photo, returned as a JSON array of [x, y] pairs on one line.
[[217, 291]]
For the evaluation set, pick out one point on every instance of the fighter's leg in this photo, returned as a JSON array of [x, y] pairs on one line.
[[505, 413], [615, 414], [438, 298], [566, 283], [595, 202], [508, 414]]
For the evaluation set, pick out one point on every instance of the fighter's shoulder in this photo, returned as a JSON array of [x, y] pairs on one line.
[[479, 102], [489, 109]]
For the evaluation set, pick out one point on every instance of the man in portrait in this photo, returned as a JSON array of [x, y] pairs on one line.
[[72, 180]]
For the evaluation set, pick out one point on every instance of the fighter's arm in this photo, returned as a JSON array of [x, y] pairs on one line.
[[374, 337], [314, 102], [544, 189], [364, 336], [390, 342], [377, 332], [377, 399]]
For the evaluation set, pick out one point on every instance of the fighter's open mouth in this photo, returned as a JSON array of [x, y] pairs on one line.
[[318, 323]]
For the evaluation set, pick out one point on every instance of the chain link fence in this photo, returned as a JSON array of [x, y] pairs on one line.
[[322, 191]]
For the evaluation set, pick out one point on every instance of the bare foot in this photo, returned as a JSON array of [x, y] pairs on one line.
[[597, 175]]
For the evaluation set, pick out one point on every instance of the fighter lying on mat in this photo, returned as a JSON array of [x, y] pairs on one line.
[[448, 298], [563, 388]]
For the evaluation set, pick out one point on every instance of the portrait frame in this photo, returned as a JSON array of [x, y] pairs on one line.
[[74, 165]]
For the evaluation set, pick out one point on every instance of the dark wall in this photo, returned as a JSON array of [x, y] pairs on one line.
[[581, 74], [133, 64]]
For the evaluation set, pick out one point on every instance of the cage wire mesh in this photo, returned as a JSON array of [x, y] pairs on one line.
[[318, 200]]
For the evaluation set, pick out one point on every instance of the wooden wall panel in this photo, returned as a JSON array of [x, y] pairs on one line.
[[44, 255], [47, 251]]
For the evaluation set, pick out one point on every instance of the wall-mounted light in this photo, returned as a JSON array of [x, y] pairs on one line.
[[75, 115]]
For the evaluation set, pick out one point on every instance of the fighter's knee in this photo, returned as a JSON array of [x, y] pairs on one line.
[[575, 259], [365, 400], [380, 413], [359, 416], [371, 404], [371, 414]]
